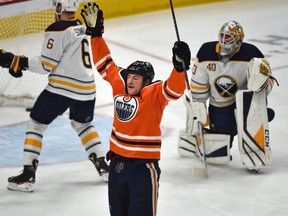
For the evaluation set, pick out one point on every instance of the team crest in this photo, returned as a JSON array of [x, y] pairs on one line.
[[226, 86], [125, 107]]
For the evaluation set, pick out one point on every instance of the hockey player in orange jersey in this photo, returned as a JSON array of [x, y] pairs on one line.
[[135, 142]]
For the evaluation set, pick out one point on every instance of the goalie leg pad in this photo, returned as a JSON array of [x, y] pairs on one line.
[[253, 130], [196, 112], [217, 147], [186, 144]]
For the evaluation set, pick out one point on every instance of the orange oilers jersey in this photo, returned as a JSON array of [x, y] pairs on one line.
[[136, 128]]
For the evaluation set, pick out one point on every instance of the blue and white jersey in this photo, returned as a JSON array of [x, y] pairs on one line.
[[219, 82], [66, 56]]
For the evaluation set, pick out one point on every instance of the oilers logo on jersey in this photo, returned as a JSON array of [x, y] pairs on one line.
[[125, 107], [226, 86]]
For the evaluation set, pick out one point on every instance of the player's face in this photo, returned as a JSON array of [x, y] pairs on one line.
[[135, 84]]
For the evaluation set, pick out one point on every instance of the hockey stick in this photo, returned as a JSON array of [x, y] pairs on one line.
[[201, 172], [178, 39]]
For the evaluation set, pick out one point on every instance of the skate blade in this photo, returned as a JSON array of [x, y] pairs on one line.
[[25, 187]]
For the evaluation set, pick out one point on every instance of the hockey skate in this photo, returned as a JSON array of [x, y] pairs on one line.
[[24, 182], [101, 166]]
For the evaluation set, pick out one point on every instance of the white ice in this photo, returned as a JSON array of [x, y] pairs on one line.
[[71, 187]]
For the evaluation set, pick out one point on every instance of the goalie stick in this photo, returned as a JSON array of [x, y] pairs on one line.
[[203, 171]]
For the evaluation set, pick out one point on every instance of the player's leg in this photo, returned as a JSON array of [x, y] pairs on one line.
[[81, 115], [46, 108], [222, 121], [117, 187], [143, 185]]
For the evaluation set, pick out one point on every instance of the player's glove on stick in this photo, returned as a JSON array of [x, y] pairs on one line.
[[15, 63], [94, 20], [181, 53]]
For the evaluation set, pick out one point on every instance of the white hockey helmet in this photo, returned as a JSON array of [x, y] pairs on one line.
[[230, 36], [66, 5]]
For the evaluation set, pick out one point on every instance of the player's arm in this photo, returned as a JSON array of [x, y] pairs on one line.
[[101, 56], [36, 66], [199, 83], [94, 21], [175, 85], [15, 63], [18, 63]]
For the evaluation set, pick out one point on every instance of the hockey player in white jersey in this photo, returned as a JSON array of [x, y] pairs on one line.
[[218, 73], [66, 59]]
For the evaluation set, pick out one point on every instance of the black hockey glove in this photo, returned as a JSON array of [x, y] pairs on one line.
[[94, 20], [15, 63], [181, 54]]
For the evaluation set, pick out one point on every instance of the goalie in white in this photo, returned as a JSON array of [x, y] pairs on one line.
[[222, 68]]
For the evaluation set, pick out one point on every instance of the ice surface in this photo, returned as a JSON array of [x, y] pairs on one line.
[[67, 183]]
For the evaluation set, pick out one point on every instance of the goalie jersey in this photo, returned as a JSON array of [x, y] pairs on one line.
[[218, 81], [134, 135], [66, 57]]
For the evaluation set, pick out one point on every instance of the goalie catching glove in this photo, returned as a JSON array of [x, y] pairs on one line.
[[181, 56], [94, 20], [15, 63], [258, 75]]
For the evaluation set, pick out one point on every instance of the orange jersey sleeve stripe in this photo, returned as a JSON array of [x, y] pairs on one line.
[[100, 50], [102, 67], [170, 95], [175, 85]]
